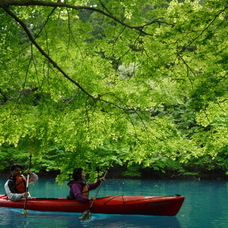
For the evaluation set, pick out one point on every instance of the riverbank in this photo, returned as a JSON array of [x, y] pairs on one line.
[[119, 172], [168, 174]]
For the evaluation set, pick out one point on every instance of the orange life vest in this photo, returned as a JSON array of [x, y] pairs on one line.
[[20, 184], [85, 190]]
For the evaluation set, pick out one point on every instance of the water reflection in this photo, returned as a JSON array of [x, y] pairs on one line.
[[13, 218], [130, 221]]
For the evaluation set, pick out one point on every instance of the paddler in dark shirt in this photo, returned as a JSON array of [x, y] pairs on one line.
[[79, 189]]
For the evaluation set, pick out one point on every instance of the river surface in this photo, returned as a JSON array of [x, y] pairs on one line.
[[205, 206]]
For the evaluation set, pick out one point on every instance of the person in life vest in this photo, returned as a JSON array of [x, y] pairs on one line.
[[15, 186], [79, 189]]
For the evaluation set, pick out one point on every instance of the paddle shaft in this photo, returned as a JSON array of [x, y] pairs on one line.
[[86, 214], [98, 189], [28, 176], [27, 181]]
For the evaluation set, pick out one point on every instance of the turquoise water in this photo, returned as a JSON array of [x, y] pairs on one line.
[[206, 205]]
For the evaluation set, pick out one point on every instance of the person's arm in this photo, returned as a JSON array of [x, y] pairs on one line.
[[77, 191], [32, 177], [95, 185], [12, 196]]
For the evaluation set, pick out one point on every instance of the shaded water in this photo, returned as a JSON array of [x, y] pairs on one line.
[[206, 205]]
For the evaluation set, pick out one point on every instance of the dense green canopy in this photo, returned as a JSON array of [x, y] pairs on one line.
[[89, 83]]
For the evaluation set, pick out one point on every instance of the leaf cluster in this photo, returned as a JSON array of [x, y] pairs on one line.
[[96, 83]]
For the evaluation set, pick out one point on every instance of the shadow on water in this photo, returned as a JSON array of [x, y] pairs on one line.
[[11, 218]]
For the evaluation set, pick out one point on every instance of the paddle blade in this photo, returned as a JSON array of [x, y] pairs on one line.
[[24, 212], [86, 215]]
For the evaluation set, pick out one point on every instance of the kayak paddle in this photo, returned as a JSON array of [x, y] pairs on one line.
[[25, 212], [86, 215]]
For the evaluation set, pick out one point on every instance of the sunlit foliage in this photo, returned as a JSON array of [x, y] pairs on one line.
[[93, 83]]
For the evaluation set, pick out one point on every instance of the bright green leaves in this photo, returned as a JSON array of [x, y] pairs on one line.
[[137, 83]]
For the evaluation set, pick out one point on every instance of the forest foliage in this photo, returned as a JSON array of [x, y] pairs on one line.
[[100, 82]]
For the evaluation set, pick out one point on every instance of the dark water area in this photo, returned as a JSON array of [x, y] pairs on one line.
[[206, 205]]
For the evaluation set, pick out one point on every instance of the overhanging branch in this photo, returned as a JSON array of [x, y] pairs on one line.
[[7, 3], [32, 39], [23, 25]]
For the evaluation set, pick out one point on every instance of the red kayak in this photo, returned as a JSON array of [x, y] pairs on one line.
[[141, 205]]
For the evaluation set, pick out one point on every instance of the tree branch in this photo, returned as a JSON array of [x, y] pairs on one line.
[[48, 17], [7, 3], [44, 53], [207, 27], [32, 39]]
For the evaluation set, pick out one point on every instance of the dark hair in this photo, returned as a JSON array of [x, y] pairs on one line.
[[14, 166], [77, 173]]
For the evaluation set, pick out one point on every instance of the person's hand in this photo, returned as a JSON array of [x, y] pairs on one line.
[[92, 198], [29, 172], [25, 194], [102, 179]]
